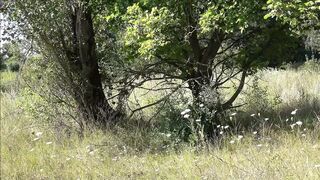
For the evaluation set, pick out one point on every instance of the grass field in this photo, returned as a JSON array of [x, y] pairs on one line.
[[32, 149]]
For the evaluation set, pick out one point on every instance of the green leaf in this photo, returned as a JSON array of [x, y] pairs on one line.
[[267, 16]]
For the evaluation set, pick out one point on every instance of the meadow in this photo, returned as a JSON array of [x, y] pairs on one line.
[[283, 144]]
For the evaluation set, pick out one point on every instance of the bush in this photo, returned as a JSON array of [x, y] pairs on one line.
[[312, 65], [258, 99], [43, 98], [3, 66], [14, 67]]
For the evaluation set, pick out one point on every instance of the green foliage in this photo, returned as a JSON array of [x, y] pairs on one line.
[[162, 33], [230, 16], [11, 57], [148, 31], [2, 65], [301, 15], [271, 47], [44, 94], [14, 67], [170, 120], [258, 99]]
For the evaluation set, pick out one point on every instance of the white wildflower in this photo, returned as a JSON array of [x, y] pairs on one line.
[[38, 134], [186, 116], [185, 111], [226, 127], [168, 135], [49, 143], [292, 126], [198, 120], [36, 139], [233, 114], [294, 112], [266, 119], [232, 142], [221, 132], [252, 115], [255, 132], [299, 123], [201, 105], [240, 137]]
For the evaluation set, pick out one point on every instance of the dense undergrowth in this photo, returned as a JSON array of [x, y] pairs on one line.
[[276, 134]]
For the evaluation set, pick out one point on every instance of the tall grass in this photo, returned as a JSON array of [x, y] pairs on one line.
[[7, 80], [32, 149], [295, 88]]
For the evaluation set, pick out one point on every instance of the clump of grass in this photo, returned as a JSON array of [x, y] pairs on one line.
[[7, 80]]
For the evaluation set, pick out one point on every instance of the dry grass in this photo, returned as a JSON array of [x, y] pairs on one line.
[[28, 154], [103, 156]]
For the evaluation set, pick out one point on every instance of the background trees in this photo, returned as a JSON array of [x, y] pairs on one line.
[[11, 57], [300, 15]]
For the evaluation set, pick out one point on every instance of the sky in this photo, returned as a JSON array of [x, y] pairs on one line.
[[4, 23], [7, 27]]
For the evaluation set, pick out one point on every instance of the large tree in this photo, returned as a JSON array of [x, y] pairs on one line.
[[205, 44], [64, 32]]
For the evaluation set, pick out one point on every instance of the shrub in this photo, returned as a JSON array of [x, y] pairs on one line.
[[3, 66], [14, 67], [258, 99]]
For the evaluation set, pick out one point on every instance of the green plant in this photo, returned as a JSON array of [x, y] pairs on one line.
[[258, 98], [7, 81], [14, 67]]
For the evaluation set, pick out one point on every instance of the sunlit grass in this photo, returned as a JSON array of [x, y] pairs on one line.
[[28, 154], [33, 149], [286, 156], [7, 80]]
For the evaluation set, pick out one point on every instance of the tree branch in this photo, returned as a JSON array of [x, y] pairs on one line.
[[228, 103]]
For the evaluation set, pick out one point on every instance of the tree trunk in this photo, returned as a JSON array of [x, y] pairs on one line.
[[90, 97]]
